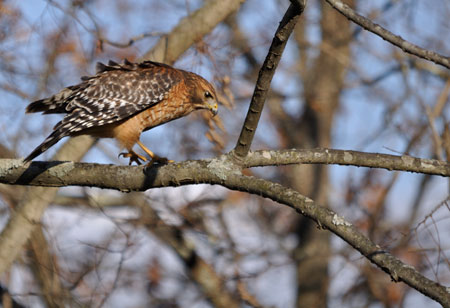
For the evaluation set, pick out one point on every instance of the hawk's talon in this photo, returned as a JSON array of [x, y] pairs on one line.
[[137, 158], [134, 157], [155, 158]]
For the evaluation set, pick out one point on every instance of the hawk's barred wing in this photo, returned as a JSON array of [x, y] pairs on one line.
[[115, 93]]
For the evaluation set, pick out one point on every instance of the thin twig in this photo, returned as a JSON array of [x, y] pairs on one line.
[[131, 41], [389, 36]]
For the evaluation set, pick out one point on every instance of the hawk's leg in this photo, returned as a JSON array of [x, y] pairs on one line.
[[134, 157], [155, 158]]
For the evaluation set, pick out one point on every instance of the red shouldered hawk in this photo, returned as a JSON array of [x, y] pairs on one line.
[[123, 100]]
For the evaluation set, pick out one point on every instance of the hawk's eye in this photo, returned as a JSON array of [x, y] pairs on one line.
[[208, 95]]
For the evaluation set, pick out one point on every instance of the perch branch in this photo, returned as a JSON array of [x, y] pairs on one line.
[[220, 171]]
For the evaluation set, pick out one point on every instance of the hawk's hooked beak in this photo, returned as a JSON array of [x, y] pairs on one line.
[[213, 107]]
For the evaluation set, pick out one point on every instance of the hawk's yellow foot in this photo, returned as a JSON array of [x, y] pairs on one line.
[[155, 158], [134, 157]]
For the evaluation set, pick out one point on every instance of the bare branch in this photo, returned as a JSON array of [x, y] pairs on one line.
[[389, 36], [326, 218], [266, 73], [191, 29], [131, 41], [347, 158], [221, 171], [136, 178]]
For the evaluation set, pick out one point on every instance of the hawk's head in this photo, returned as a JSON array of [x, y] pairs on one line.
[[204, 96]]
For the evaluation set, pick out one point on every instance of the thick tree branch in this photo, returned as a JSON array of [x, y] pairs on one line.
[[221, 171], [265, 76], [125, 178], [389, 36]]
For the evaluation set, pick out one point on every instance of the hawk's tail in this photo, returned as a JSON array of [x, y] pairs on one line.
[[44, 146]]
